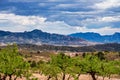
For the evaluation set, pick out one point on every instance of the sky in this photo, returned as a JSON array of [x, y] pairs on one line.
[[61, 16]]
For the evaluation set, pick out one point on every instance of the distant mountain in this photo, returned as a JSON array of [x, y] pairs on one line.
[[39, 37], [95, 37]]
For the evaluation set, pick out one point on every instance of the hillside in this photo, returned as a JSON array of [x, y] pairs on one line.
[[39, 37], [102, 47], [96, 37]]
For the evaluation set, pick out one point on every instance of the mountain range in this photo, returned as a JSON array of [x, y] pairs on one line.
[[39, 37], [95, 37]]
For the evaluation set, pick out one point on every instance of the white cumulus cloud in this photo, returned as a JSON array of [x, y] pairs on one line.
[[18, 23], [106, 4], [107, 30], [109, 19]]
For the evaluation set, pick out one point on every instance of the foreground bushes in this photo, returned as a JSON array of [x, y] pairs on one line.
[[12, 65], [62, 65], [59, 67]]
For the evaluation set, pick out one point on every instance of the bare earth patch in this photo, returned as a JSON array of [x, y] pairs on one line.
[[82, 77]]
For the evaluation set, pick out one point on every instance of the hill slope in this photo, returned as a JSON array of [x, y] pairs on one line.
[[38, 37], [100, 47], [95, 37]]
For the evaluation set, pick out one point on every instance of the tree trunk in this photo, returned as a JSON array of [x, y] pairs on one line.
[[78, 76], [69, 77], [0, 77], [56, 78], [109, 76], [10, 77], [103, 77], [63, 76], [4, 77], [49, 77], [93, 75]]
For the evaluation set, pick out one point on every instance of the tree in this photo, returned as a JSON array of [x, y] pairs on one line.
[[75, 70], [116, 67], [109, 68], [100, 55], [92, 65], [63, 62], [50, 70], [11, 63]]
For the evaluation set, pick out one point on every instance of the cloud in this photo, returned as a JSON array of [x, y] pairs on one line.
[[72, 12], [22, 20], [104, 19], [107, 4], [25, 0], [101, 22], [17, 23], [63, 14], [103, 31], [67, 5], [110, 19]]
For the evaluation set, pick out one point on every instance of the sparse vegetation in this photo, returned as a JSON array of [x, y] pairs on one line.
[[14, 64]]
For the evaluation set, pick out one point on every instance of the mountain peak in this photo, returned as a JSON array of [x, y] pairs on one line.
[[36, 30], [116, 33]]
